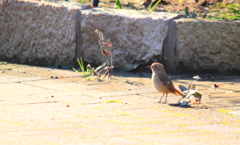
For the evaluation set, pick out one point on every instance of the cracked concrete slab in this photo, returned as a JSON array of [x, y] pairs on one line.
[[79, 110]]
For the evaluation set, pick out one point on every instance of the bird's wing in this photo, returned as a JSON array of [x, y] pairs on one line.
[[167, 82], [182, 88]]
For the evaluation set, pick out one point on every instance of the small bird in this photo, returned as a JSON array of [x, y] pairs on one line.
[[161, 81]]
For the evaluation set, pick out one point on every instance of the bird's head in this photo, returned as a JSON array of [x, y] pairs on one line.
[[157, 67]]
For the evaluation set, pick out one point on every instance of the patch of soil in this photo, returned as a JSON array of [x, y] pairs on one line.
[[202, 8]]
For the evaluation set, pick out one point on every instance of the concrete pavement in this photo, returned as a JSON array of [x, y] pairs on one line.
[[70, 109]]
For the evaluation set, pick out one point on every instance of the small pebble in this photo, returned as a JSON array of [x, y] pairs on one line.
[[2, 71], [56, 77], [52, 96], [197, 78], [67, 106], [51, 77]]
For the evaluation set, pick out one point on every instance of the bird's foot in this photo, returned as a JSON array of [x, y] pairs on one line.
[[196, 103], [161, 102]]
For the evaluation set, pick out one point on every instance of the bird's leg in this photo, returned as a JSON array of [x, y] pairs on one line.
[[179, 101], [166, 98], [161, 98]]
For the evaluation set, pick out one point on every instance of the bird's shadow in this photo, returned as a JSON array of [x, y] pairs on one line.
[[180, 106], [202, 106]]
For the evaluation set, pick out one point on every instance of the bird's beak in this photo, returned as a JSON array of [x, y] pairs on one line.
[[149, 66]]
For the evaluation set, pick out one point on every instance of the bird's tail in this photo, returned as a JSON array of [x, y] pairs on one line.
[[177, 92]]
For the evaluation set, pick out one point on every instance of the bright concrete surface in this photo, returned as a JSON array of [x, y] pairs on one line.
[[37, 109]]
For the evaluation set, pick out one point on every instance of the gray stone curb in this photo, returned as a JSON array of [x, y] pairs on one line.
[[56, 33]]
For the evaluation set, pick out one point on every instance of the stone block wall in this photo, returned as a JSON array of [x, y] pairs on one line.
[[38, 33], [137, 36], [56, 33], [212, 46], [194, 45]]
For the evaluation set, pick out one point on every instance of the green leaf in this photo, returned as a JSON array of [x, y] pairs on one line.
[[186, 11], [81, 1], [118, 4], [81, 65], [155, 5], [149, 6]]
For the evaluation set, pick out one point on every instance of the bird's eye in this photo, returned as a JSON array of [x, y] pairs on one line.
[[155, 66]]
